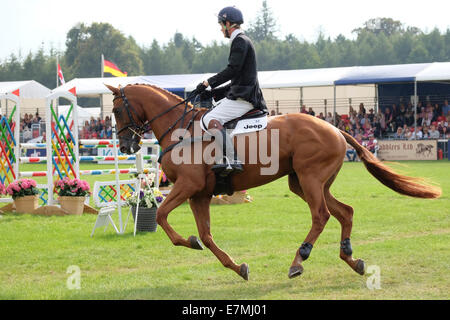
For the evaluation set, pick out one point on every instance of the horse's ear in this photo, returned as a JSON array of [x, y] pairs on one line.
[[114, 90]]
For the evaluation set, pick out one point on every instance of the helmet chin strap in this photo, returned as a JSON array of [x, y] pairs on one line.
[[227, 29]]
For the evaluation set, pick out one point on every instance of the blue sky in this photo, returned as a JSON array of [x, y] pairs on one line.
[[27, 24]]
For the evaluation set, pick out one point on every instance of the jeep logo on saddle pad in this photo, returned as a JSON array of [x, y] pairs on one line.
[[250, 125]]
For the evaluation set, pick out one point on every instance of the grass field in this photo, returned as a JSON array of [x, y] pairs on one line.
[[408, 239]]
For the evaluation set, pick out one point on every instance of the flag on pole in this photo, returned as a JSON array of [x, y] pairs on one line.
[[111, 68], [60, 75]]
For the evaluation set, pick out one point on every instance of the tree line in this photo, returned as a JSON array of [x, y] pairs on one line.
[[379, 41]]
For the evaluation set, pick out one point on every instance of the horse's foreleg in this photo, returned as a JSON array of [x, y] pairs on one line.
[[200, 208], [315, 198], [176, 197], [344, 214]]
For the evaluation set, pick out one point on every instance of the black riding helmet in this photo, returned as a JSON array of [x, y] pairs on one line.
[[231, 14]]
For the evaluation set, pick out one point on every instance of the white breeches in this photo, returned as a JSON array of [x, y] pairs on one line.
[[226, 110]]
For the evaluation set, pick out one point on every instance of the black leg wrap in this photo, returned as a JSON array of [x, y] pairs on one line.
[[346, 247], [305, 250]]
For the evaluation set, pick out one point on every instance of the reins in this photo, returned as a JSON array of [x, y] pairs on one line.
[[145, 127]]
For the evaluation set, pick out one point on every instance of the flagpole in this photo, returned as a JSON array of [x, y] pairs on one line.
[[57, 63], [101, 95]]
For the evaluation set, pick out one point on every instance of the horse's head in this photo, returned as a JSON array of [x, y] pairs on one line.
[[129, 118]]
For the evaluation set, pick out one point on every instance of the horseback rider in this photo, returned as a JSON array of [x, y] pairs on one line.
[[242, 95]]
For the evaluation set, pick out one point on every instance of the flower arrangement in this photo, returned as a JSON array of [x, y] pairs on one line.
[[148, 198], [21, 188], [72, 187]]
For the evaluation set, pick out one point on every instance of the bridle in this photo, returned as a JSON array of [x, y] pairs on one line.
[[139, 130]]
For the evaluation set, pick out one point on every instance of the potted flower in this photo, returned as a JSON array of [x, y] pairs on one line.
[[148, 201], [72, 194], [24, 194]]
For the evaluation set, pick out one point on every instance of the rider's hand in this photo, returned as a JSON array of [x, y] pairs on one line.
[[206, 95], [201, 87]]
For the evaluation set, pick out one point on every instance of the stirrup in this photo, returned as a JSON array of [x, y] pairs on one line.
[[224, 169]]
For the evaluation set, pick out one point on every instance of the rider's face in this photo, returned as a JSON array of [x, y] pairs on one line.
[[223, 29]]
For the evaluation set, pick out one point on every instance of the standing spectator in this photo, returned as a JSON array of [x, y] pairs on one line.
[[371, 115], [409, 118], [389, 120], [329, 118], [446, 108]]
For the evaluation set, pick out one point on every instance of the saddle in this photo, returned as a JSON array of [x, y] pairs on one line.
[[254, 120]]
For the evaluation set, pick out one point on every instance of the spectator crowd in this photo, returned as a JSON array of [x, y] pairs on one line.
[[393, 122]]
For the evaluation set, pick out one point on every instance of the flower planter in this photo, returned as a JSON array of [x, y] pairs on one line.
[[146, 219], [26, 204], [73, 205]]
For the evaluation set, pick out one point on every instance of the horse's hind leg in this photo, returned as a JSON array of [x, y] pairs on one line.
[[315, 198], [344, 214], [200, 208]]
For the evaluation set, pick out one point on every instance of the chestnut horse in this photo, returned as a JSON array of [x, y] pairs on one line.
[[310, 151]]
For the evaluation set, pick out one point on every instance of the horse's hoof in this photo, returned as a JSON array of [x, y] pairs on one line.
[[295, 271], [195, 243], [244, 271], [360, 266]]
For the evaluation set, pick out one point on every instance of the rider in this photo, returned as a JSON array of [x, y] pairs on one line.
[[242, 95]]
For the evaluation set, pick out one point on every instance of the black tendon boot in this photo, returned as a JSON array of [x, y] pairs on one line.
[[230, 163]]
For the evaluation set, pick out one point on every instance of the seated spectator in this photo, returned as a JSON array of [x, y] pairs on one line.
[[303, 109], [425, 133], [409, 134], [445, 133], [321, 116], [434, 134], [399, 135], [371, 144], [416, 134], [329, 118], [350, 153], [272, 113], [311, 112]]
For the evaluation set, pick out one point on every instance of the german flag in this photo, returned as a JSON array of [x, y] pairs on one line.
[[111, 68]]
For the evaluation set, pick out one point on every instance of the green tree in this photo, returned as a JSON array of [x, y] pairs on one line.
[[264, 27], [86, 44]]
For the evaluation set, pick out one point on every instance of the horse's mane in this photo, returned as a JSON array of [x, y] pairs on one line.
[[161, 90]]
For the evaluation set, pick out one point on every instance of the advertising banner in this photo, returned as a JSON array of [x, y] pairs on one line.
[[407, 150]]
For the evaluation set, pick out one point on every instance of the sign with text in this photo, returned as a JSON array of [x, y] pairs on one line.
[[407, 150]]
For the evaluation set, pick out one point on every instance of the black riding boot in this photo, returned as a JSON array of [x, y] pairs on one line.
[[230, 162]]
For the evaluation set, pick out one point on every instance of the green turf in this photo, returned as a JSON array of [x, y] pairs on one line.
[[408, 239]]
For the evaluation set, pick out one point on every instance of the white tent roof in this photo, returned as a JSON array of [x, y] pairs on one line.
[[29, 89], [301, 78], [436, 71]]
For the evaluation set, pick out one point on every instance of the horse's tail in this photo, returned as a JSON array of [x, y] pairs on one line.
[[409, 186]]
